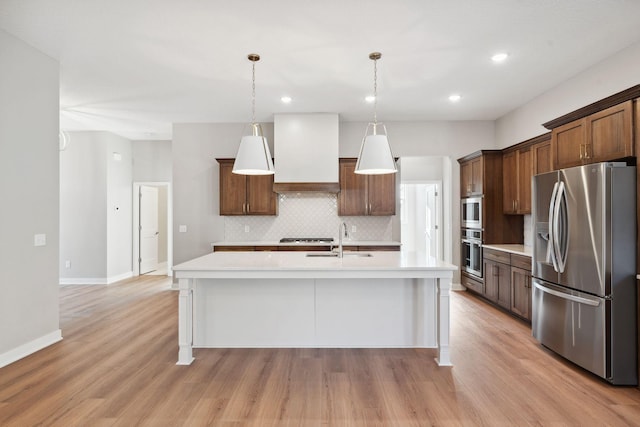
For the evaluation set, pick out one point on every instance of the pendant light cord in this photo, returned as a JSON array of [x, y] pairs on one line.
[[253, 92], [375, 91]]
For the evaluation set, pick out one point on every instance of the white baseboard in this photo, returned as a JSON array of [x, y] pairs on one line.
[[83, 280], [94, 280], [29, 348], [119, 277]]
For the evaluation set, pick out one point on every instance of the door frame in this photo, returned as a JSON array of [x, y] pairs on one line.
[[136, 225]]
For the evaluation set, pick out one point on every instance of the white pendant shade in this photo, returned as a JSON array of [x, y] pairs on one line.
[[254, 156], [375, 156]]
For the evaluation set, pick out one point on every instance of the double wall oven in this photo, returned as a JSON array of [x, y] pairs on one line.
[[471, 235]]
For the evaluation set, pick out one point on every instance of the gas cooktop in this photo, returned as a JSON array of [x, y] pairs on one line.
[[306, 240]]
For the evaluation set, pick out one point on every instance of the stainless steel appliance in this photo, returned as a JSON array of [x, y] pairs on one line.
[[471, 212], [584, 258], [472, 251]]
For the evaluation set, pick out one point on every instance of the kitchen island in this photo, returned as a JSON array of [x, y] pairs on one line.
[[290, 299]]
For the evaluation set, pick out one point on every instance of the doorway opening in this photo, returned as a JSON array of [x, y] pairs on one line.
[[152, 231], [421, 218]]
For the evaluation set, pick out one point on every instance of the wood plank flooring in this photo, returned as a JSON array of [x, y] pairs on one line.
[[116, 367]]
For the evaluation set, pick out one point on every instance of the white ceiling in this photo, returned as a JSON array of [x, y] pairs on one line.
[[133, 67]]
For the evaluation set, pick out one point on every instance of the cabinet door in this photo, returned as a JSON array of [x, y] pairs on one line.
[[541, 157], [381, 194], [609, 134], [568, 144], [465, 179], [497, 283], [521, 292], [233, 190], [490, 279], [261, 200], [503, 273], [476, 176], [523, 201], [352, 198], [509, 182]]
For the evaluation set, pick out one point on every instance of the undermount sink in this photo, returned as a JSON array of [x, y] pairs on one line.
[[335, 254]]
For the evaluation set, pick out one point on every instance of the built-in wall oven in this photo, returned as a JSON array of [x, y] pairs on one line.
[[472, 251], [471, 212]]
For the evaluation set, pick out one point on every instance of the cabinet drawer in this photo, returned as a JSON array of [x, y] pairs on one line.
[[472, 284], [498, 256], [521, 261]]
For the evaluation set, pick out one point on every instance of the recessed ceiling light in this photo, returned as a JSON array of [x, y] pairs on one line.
[[370, 98], [286, 99], [500, 57], [455, 97]]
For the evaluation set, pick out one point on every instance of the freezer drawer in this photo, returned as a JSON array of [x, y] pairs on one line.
[[580, 328]]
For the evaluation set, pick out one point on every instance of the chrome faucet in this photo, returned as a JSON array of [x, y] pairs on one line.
[[342, 231]]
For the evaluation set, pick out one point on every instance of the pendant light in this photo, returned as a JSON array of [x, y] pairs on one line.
[[254, 157], [375, 156]]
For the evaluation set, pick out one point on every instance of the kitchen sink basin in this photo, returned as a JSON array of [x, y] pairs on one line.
[[335, 254]]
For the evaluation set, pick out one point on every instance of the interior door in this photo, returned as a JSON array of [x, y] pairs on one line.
[[148, 230], [431, 220]]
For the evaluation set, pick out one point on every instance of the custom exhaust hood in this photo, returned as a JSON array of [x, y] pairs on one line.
[[306, 153]]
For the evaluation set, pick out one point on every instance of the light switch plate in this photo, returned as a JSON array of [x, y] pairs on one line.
[[39, 240], [182, 229]]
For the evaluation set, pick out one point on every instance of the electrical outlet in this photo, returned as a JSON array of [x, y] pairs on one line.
[[39, 240], [246, 229], [182, 229], [354, 229], [67, 264]]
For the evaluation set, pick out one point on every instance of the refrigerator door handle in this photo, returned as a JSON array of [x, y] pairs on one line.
[[551, 254], [566, 296], [559, 228]]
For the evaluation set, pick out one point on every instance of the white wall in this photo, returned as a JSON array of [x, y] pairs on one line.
[[95, 208], [616, 73], [83, 206], [29, 318], [152, 161], [119, 207], [195, 171]]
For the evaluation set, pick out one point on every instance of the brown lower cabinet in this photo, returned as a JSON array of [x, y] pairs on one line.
[[506, 283]]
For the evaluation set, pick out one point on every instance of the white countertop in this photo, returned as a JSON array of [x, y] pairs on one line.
[[383, 264], [512, 248], [335, 243]]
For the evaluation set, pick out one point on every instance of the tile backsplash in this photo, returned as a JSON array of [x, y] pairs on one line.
[[305, 215]]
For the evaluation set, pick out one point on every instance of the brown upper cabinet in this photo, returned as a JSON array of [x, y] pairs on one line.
[[245, 194], [601, 136], [516, 174], [363, 195], [541, 156], [471, 177]]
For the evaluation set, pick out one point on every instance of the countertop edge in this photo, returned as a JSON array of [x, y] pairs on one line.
[[512, 248], [335, 243]]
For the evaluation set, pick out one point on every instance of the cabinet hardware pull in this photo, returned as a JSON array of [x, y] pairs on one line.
[[248, 208], [586, 151], [516, 205]]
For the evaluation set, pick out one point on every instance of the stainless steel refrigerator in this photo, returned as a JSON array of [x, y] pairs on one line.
[[584, 267]]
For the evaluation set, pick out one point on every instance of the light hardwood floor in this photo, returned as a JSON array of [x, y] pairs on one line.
[[116, 367]]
